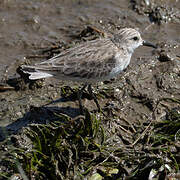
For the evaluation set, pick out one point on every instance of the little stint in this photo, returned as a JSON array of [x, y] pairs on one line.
[[91, 61]]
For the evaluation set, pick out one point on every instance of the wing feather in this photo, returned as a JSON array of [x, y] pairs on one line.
[[87, 60]]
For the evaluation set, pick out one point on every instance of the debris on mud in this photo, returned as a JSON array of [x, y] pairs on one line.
[[166, 53], [137, 133], [90, 33], [156, 11], [66, 148]]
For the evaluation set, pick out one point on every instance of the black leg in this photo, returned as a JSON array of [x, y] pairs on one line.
[[94, 97], [79, 94]]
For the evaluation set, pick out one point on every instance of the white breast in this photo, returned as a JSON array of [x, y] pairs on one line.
[[122, 62]]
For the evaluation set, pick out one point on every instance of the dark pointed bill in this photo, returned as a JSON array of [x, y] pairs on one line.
[[146, 43]]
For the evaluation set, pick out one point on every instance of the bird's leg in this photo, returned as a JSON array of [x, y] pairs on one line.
[[94, 97], [79, 94]]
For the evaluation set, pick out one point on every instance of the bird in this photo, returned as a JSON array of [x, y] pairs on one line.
[[91, 61]]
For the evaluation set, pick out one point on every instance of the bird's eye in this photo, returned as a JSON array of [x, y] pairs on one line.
[[135, 38]]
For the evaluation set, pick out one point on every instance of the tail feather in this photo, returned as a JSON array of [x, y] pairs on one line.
[[34, 73]]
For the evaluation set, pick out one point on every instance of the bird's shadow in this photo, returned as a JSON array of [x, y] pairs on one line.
[[71, 97], [44, 114], [39, 115]]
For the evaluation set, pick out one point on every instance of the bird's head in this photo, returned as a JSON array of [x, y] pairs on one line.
[[130, 39]]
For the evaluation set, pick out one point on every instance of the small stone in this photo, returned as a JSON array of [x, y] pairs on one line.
[[166, 56]]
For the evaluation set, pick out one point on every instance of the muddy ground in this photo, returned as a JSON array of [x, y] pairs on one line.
[[142, 96]]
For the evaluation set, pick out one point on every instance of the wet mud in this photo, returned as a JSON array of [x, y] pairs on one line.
[[144, 94]]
